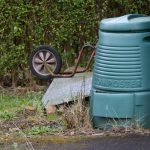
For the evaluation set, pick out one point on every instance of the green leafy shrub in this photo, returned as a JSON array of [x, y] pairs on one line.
[[63, 24]]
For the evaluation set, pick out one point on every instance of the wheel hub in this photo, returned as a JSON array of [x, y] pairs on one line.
[[44, 62]]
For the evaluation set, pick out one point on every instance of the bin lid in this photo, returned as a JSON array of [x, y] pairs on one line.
[[130, 22]]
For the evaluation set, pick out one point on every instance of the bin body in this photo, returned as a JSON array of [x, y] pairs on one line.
[[121, 76]]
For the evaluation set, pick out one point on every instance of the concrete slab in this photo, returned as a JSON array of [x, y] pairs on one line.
[[63, 90]]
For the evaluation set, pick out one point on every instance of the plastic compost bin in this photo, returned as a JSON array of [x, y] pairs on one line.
[[120, 92]]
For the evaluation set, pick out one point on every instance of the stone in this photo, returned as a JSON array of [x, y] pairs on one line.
[[50, 109]]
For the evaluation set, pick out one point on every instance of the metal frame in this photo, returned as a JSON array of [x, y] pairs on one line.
[[71, 74]]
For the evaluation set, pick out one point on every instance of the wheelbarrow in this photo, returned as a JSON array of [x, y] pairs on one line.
[[45, 62]]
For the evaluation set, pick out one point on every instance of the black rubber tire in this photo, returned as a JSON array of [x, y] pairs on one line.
[[54, 53]]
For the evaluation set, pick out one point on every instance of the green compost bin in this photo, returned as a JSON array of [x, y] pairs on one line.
[[120, 92]]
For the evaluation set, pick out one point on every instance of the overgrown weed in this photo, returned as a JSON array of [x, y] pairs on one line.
[[76, 116]]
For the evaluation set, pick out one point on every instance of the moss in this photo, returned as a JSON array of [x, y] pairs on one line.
[[41, 139]]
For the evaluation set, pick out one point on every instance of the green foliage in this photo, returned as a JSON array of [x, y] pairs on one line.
[[10, 104], [53, 117], [6, 115], [63, 24], [36, 130], [135, 6]]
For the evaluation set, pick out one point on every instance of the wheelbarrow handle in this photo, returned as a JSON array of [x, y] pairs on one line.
[[87, 45], [71, 74]]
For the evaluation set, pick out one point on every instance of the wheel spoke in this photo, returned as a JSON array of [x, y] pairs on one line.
[[44, 70], [47, 56], [41, 55], [49, 68], [44, 62], [51, 61], [37, 60], [39, 67]]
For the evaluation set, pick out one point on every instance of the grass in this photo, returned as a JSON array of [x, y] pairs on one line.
[[16, 114], [53, 117], [72, 120], [10, 104], [39, 130], [6, 115], [76, 116]]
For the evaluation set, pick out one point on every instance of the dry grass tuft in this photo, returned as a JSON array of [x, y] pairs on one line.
[[76, 116]]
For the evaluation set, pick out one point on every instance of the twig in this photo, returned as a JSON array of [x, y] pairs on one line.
[[29, 144]]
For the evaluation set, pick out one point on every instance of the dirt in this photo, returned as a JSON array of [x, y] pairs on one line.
[[13, 136], [24, 122], [14, 133]]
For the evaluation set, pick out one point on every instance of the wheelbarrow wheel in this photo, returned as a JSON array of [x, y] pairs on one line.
[[45, 61]]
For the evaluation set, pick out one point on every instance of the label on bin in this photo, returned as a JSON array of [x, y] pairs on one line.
[[117, 83]]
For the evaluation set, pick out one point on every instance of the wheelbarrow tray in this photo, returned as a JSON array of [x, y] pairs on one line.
[[63, 90]]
